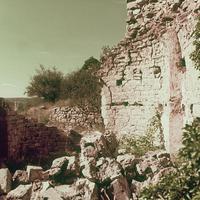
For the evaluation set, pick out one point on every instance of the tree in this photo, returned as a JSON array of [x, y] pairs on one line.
[[91, 64], [46, 83], [195, 56], [83, 87]]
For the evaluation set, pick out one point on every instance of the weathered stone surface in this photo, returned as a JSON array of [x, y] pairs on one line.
[[121, 189], [95, 145], [22, 192], [128, 163], [81, 189], [34, 173], [66, 165], [89, 169], [75, 118], [143, 76], [38, 189], [51, 194], [101, 171], [108, 169], [2, 197], [153, 162], [20, 177], [5, 180]]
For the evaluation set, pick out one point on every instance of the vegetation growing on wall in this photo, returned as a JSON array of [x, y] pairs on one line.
[[195, 56], [184, 183], [139, 145]]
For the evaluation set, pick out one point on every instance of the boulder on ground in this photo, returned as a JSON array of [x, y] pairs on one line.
[[20, 177], [152, 162], [89, 170], [128, 163], [73, 141], [3, 197], [108, 170], [51, 194], [34, 173], [96, 145], [22, 192], [63, 168], [5, 181], [81, 189], [121, 189], [38, 189]]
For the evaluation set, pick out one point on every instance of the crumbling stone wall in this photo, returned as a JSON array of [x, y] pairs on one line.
[[76, 118], [31, 141], [150, 72]]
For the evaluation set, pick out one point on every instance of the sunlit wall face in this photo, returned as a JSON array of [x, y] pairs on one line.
[[60, 33]]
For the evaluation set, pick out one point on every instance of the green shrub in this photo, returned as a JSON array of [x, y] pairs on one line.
[[46, 83], [195, 56], [185, 182], [83, 86], [137, 145]]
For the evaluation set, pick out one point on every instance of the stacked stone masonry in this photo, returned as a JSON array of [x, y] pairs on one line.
[[31, 141], [76, 118], [150, 71]]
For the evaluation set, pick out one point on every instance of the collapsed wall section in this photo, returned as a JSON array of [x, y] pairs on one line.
[[149, 73]]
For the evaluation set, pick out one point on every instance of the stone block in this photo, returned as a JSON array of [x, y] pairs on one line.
[[34, 173], [22, 192], [5, 181]]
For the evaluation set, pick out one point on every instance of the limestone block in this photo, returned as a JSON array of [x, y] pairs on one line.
[[34, 173], [64, 166], [121, 189], [108, 169], [128, 162], [51, 194], [22, 192], [5, 180], [196, 110], [20, 177], [81, 189]]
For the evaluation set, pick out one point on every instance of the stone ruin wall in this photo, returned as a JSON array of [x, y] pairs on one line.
[[76, 118], [150, 71], [32, 141]]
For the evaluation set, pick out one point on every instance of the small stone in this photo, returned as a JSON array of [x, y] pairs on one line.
[[20, 177], [121, 189], [5, 181], [34, 173], [52, 194], [22, 192]]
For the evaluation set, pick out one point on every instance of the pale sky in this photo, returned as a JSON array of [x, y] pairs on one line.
[[61, 33]]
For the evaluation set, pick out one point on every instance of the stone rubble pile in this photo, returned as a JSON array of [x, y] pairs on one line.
[[99, 172]]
